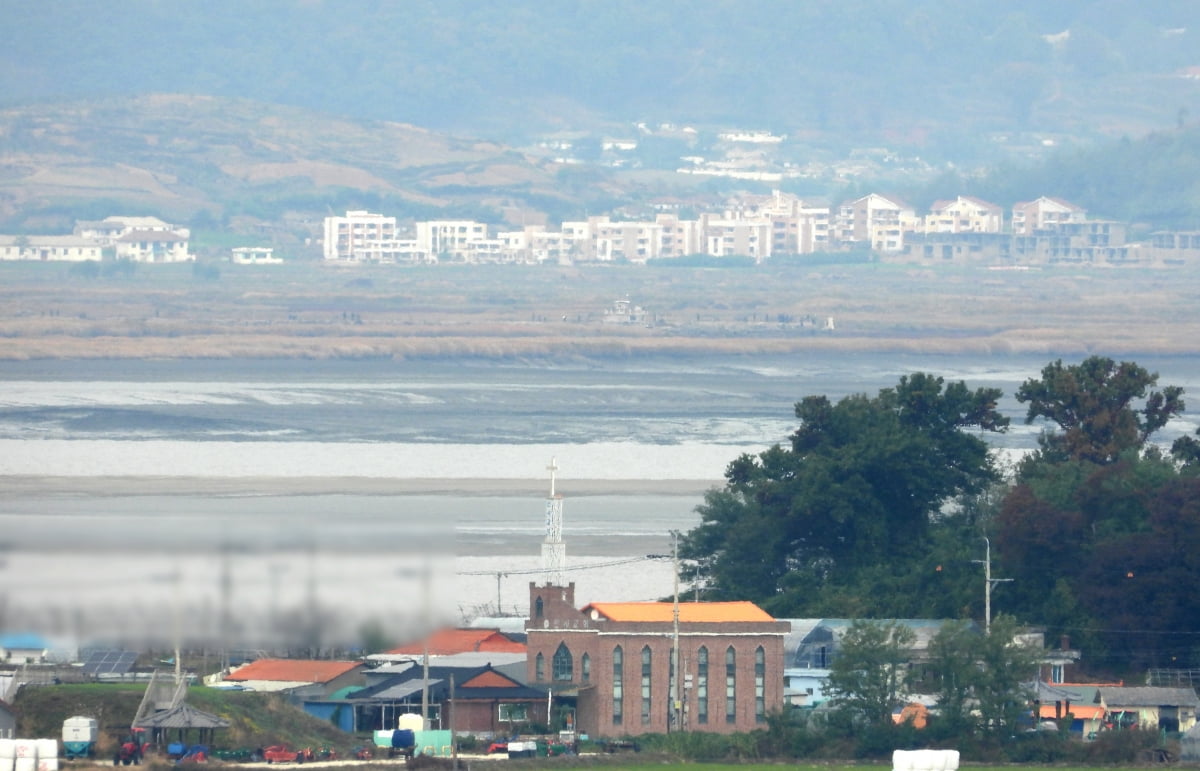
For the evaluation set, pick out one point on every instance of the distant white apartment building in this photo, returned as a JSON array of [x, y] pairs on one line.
[[360, 236], [796, 227], [631, 241], [677, 238], [152, 246], [450, 239], [728, 237], [533, 244], [876, 220], [47, 248], [964, 214], [1044, 213], [110, 229]]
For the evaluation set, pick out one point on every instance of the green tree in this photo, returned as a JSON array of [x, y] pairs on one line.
[[954, 673], [1095, 406], [862, 485], [866, 676], [1006, 668], [981, 681]]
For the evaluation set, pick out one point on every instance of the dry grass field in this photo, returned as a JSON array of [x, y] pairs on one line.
[[316, 311]]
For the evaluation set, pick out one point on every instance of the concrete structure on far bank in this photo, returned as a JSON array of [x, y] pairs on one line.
[[616, 662]]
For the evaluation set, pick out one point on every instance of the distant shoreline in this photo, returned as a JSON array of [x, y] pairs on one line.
[[293, 486]]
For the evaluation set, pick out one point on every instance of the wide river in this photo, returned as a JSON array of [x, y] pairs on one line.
[[250, 501]]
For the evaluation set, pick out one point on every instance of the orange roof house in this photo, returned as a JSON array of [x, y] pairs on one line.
[[448, 642], [305, 677]]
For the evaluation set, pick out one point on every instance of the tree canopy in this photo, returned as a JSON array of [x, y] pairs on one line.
[[1094, 406], [859, 487], [877, 506]]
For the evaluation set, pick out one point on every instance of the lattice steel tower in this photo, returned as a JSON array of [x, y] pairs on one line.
[[554, 551]]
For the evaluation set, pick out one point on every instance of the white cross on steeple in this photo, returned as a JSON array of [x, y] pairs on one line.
[[552, 468]]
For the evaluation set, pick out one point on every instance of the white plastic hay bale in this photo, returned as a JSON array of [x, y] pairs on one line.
[[25, 764], [25, 748], [47, 764], [8, 751], [47, 748], [951, 760], [411, 722], [902, 760]]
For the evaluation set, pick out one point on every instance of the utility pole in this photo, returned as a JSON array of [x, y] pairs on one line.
[[988, 583], [676, 696]]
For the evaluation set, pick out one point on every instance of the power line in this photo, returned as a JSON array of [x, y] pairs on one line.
[[532, 571]]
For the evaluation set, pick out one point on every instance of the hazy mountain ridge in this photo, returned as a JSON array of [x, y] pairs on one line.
[[861, 67], [181, 154]]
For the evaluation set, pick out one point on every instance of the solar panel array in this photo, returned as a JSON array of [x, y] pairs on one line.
[[109, 662]]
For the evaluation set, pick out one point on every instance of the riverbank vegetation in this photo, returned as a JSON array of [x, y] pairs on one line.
[[316, 311]]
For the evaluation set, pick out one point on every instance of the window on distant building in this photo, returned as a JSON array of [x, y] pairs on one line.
[[513, 713], [563, 665], [618, 691], [539, 668], [730, 685], [538, 607], [760, 685], [585, 668], [702, 685], [646, 662]]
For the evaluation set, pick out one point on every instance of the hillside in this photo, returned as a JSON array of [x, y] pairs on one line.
[[861, 70], [191, 157], [258, 719]]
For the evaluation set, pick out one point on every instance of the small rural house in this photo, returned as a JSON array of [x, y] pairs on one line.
[[302, 678], [481, 700]]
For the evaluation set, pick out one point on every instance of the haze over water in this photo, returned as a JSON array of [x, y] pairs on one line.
[[100, 540]]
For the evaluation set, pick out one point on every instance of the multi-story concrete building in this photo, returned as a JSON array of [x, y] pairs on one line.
[[1075, 242], [965, 248], [451, 239], [875, 220], [360, 236], [677, 238], [1174, 249], [729, 237], [152, 246], [1028, 217], [631, 669], [964, 215], [796, 227]]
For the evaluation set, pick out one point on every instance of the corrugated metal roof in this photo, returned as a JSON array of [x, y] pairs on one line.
[[1148, 696], [689, 612], [293, 670]]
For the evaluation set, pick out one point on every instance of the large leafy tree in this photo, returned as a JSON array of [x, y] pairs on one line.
[[867, 676], [1096, 528], [981, 680], [1101, 407], [861, 486]]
